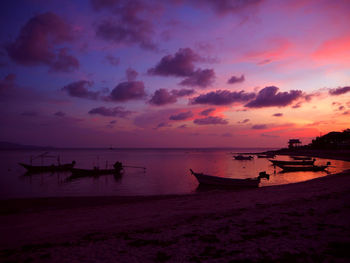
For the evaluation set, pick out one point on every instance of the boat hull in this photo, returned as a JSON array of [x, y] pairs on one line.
[[48, 168], [216, 181], [280, 162], [303, 168]]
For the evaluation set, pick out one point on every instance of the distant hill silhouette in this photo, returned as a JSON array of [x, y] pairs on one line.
[[333, 140], [15, 146]]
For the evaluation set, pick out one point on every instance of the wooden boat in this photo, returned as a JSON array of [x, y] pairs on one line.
[[301, 158], [216, 181], [47, 168], [242, 157], [117, 169], [281, 162], [314, 168], [266, 156]]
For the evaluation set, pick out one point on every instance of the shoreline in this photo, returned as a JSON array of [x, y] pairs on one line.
[[308, 218]]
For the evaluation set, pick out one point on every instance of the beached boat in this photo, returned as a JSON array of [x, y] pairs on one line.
[[299, 168], [242, 157], [47, 168], [301, 158], [216, 181], [281, 162]]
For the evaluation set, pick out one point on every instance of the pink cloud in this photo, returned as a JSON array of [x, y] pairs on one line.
[[162, 97], [222, 97], [36, 43], [110, 112], [211, 120], [334, 50]]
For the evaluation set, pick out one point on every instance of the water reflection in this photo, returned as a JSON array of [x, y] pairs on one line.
[[167, 172]]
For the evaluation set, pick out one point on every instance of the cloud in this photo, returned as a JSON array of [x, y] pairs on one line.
[[207, 112], [278, 115], [178, 65], [211, 120], [7, 83], [162, 97], [235, 79], [259, 126], [60, 114], [222, 97], [181, 116], [37, 40], [244, 121], [270, 97], [182, 92], [228, 6], [127, 27], [80, 89], [131, 74], [110, 112], [200, 78], [129, 90], [163, 125], [114, 61], [339, 91]]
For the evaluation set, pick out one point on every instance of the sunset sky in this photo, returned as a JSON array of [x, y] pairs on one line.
[[177, 73]]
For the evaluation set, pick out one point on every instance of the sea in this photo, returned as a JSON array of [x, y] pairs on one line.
[[166, 172]]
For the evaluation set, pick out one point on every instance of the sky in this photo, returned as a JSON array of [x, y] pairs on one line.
[[176, 73]]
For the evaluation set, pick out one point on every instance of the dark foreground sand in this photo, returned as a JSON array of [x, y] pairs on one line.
[[302, 222]]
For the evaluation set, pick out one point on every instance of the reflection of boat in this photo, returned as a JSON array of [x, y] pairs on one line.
[[281, 162], [242, 157], [315, 168], [301, 158], [266, 156], [47, 168], [216, 181]]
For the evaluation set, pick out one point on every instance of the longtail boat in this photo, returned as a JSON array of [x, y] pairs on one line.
[[315, 168], [117, 169], [47, 168], [266, 156], [216, 181], [301, 158], [281, 162], [242, 157]]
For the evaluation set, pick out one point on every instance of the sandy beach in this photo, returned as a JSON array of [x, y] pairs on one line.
[[300, 222]]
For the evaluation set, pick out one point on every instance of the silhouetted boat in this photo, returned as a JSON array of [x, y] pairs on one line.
[[47, 168], [291, 168], [117, 169], [301, 158], [242, 157], [266, 156], [216, 181], [281, 162]]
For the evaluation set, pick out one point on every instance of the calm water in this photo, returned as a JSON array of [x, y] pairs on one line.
[[167, 172]]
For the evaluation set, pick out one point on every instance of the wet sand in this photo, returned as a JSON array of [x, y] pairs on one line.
[[300, 222]]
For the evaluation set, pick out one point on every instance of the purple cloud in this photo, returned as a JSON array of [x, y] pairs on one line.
[[278, 115], [211, 120], [111, 112], [178, 65], [207, 112], [36, 43], [235, 79], [114, 61], [228, 6], [182, 92], [259, 126], [60, 114], [131, 74], [163, 125], [244, 121], [270, 97], [129, 90], [181, 116], [7, 83], [339, 91], [80, 89], [222, 97], [162, 97], [200, 78]]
